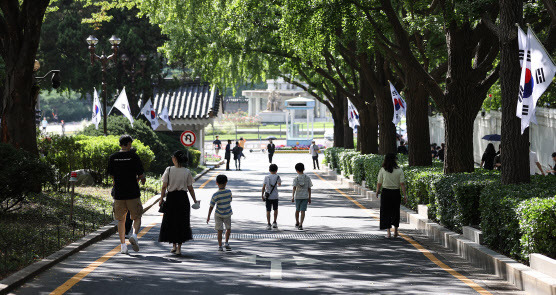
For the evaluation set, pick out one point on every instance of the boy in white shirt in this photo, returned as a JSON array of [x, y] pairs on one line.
[[270, 194]]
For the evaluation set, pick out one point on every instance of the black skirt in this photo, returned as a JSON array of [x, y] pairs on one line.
[[176, 227], [390, 201]]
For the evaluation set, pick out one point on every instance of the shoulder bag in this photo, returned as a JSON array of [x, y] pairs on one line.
[[163, 207], [267, 194]]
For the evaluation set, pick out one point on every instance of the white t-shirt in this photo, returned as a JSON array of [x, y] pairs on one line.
[[533, 159], [272, 180], [314, 150], [302, 182], [180, 178]]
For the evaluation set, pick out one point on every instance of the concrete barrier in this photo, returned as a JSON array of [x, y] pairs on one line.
[[543, 264], [473, 234]]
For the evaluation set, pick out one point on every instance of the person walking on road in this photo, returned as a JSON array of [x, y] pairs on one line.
[[44, 124], [271, 148], [126, 169], [314, 150], [237, 155], [301, 194], [176, 181], [217, 145], [222, 200], [227, 154], [390, 179], [270, 194]]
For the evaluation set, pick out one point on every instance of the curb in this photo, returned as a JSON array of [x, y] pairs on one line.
[[511, 271], [20, 277]]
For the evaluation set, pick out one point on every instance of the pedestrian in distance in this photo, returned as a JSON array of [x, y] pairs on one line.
[[270, 194], [301, 194], [442, 152], [63, 127], [222, 200], [271, 148], [126, 169], [390, 179], [176, 182], [314, 150], [217, 145], [434, 153], [402, 149], [227, 154], [44, 124], [236, 151], [242, 142], [498, 159], [487, 161], [534, 163], [552, 169]]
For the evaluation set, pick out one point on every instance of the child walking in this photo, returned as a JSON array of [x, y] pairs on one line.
[[301, 194], [270, 194], [222, 199]]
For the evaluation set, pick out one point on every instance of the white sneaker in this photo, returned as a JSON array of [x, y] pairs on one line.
[[123, 249], [274, 224], [227, 246], [268, 227], [134, 243]]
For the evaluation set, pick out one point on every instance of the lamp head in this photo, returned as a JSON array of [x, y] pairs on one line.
[[56, 80], [124, 57], [36, 66], [115, 41], [92, 41]]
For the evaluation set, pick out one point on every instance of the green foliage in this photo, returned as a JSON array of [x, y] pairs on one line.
[[66, 105], [332, 156], [63, 154], [417, 181], [500, 221], [21, 174], [358, 168], [194, 158], [537, 222], [345, 161], [372, 164]]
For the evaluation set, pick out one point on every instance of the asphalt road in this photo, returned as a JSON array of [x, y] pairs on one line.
[[340, 251]]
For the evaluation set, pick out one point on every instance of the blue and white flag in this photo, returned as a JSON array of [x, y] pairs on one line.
[[122, 104], [537, 72], [150, 113], [164, 116], [353, 116], [97, 111], [399, 105]]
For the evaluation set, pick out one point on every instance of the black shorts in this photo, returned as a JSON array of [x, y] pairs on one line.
[[271, 204]]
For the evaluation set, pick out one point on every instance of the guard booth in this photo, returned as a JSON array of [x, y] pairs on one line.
[[299, 121]]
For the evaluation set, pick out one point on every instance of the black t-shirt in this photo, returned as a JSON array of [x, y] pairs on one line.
[[402, 150], [217, 143], [125, 167], [489, 160], [441, 155]]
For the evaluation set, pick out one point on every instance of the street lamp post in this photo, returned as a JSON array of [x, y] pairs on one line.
[[92, 41], [129, 68]]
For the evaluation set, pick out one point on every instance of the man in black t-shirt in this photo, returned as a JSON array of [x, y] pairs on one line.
[[270, 147], [126, 169], [217, 144]]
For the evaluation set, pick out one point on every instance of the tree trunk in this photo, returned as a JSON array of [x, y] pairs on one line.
[[418, 134], [514, 152], [348, 132], [385, 114], [368, 129], [20, 34], [338, 117], [459, 142]]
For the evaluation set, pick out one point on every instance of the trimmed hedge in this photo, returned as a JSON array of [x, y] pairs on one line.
[[500, 221], [537, 222], [345, 161], [358, 168], [331, 156], [417, 180], [372, 165]]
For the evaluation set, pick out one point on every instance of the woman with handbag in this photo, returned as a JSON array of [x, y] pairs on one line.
[[176, 181], [390, 179]]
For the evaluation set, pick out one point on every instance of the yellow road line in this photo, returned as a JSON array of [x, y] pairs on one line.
[[208, 180], [87, 270], [421, 249]]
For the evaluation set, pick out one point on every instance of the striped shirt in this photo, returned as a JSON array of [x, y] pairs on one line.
[[223, 201]]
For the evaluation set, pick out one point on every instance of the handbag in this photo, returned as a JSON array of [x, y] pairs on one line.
[[163, 207], [267, 194]]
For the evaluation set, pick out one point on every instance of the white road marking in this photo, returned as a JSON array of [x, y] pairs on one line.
[[275, 263]]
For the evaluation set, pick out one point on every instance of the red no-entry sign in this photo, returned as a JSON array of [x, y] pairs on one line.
[[188, 138]]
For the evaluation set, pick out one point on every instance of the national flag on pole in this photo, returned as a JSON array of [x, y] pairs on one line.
[[536, 75], [149, 112], [399, 104], [122, 104], [164, 116], [353, 116], [96, 109]]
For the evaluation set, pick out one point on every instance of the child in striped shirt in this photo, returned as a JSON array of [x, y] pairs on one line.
[[222, 199]]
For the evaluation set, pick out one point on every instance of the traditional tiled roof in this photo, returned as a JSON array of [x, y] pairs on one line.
[[190, 101]]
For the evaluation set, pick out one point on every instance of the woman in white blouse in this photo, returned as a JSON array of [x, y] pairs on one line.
[[390, 179], [176, 181]]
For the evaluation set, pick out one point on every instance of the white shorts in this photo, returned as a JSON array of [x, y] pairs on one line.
[[218, 221]]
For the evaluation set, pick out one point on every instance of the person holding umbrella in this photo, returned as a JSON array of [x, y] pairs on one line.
[[270, 147], [487, 161]]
